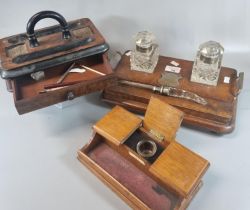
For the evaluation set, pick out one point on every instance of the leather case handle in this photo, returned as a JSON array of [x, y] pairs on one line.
[[42, 15]]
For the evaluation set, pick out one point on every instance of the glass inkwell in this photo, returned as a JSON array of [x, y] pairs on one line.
[[146, 148], [146, 53], [207, 64]]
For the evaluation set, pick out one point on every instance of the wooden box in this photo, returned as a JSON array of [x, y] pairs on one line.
[[54, 50], [167, 180], [218, 115]]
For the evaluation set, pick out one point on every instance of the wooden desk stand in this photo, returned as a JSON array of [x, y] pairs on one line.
[[168, 180], [218, 115]]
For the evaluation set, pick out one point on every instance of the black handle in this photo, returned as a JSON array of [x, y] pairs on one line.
[[41, 15]]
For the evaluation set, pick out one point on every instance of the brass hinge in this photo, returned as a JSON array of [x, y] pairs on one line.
[[157, 135]]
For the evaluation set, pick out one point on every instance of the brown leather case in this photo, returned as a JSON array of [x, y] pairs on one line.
[[53, 50], [168, 180], [218, 115]]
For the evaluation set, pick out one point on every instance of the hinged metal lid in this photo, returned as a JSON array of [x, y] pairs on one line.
[[35, 51]]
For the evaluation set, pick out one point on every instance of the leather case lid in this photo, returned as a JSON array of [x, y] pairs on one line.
[[117, 125], [162, 118], [179, 168], [19, 58]]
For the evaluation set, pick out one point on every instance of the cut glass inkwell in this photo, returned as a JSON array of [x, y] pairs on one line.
[[146, 53], [207, 64]]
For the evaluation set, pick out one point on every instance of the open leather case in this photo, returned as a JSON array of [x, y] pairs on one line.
[[167, 180], [52, 51], [219, 113]]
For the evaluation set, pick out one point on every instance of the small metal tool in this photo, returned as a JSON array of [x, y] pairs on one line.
[[65, 74], [168, 91]]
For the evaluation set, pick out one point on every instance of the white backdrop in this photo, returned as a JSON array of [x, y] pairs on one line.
[[38, 166], [178, 25]]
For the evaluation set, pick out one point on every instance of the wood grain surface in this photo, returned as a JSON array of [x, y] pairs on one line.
[[217, 116], [162, 118], [27, 91], [179, 168], [117, 125], [169, 180], [49, 41]]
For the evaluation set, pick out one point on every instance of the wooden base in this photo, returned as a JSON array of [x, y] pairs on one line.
[[166, 179], [217, 116], [122, 187]]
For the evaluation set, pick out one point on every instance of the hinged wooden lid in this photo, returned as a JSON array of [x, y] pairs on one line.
[[52, 46], [179, 168], [162, 118], [117, 125]]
